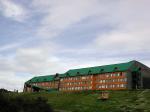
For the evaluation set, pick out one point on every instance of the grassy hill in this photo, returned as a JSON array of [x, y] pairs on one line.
[[120, 101]]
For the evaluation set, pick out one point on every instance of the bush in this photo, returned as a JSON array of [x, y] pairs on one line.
[[20, 104], [4, 91]]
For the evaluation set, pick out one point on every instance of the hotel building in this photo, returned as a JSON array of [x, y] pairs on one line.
[[122, 76]]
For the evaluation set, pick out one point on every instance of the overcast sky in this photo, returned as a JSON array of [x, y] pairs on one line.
[[44, 37]]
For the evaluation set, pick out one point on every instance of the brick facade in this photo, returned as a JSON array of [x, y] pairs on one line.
[[107, 81]]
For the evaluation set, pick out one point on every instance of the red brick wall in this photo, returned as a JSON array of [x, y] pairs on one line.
[[107, 81], [49, 85], [78, 83], [111, 81]]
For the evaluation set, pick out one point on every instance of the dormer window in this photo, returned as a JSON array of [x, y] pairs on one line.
[[116, 68], [67, 74], [89, 72], [102, 70], [78, 72], [57, 74]]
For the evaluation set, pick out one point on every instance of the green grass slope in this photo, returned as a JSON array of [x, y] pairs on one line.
[[119, 101]]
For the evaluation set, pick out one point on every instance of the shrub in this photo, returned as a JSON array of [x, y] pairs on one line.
[[20, 104]]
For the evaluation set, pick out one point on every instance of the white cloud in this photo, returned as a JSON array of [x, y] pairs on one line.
[[10, 81], [33, 61], [37, 61], [124, 41], [13, 10], [131, 33], [60, 15]]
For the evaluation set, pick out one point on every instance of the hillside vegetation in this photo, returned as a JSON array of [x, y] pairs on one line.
[[14, 102], [119, 101]]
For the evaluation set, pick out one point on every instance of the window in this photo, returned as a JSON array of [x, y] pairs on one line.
[[103, 86], [78, 78], [101, 81], [113, 86], [80, 88], [106, 86], [76, 88], [122, 85], [83, 77], [102, 70], [89, 72], [118, 85], [116, 68], [110, 86], [125, 79], [107, 75]]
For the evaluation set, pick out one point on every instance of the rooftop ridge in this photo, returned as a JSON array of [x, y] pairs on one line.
[[103, 65]]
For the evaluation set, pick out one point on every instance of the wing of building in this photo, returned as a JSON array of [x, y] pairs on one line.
[[122, 76]]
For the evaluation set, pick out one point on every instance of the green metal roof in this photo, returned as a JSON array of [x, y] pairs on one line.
[[100, 69], [87, 71], [46, 78]]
